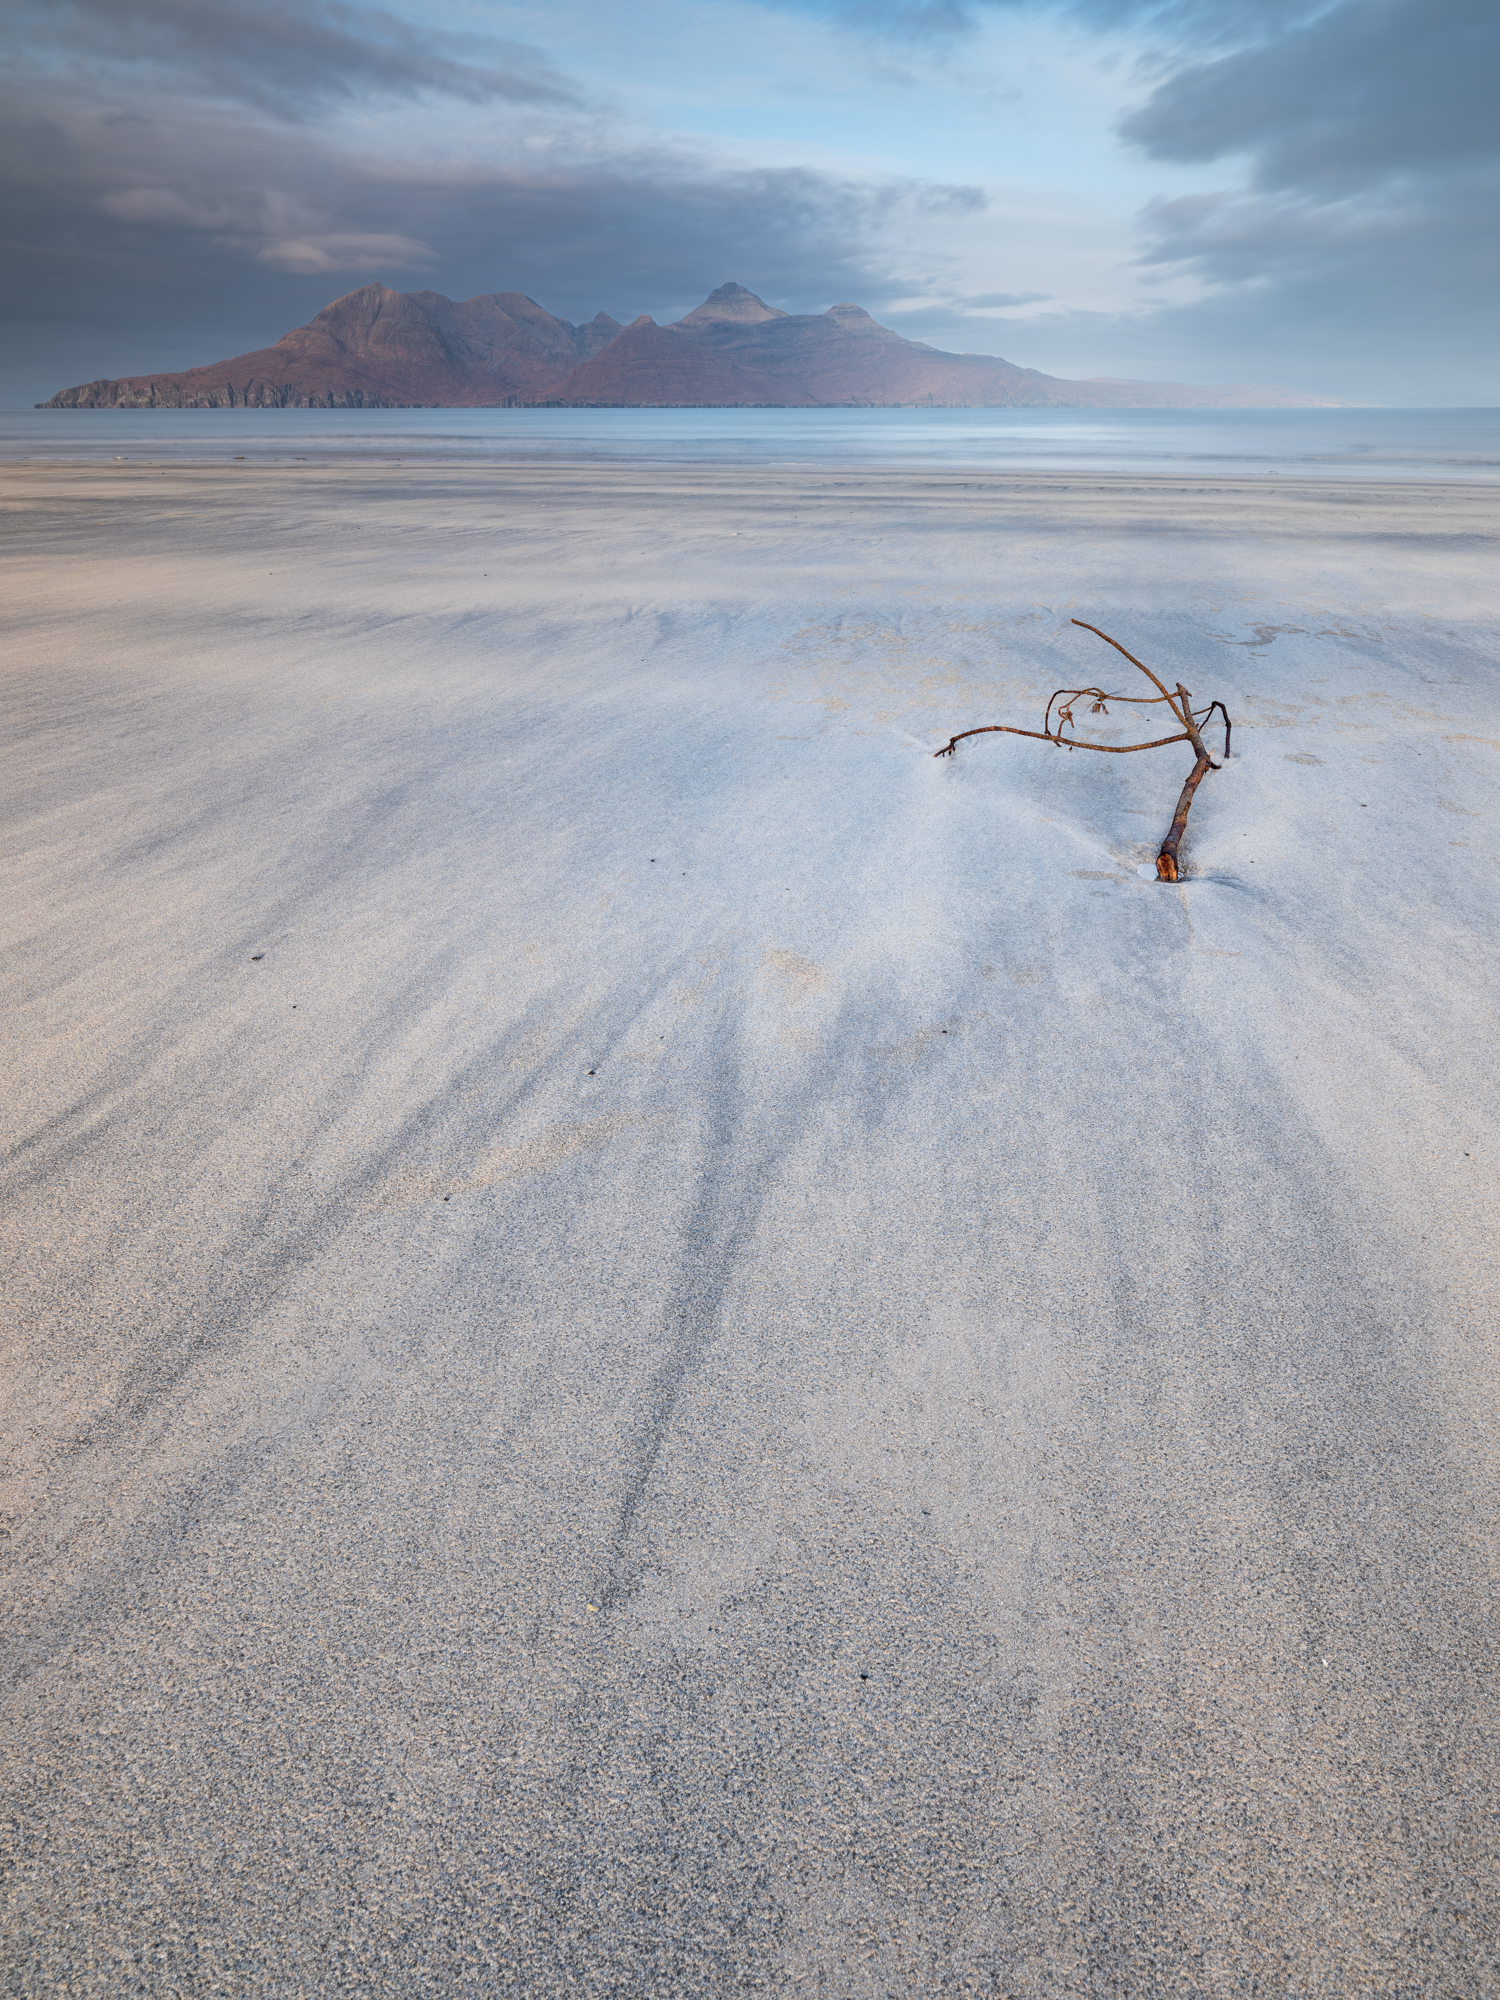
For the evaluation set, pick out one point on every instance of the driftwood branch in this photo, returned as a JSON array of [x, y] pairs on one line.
[[1179, 704]]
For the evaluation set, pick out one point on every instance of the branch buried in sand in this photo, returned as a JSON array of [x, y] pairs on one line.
[[1180, 705]]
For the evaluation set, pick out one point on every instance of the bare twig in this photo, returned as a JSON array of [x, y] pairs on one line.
[[1180, 702]]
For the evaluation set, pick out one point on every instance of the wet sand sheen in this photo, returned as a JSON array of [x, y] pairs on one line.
[[657, 1345]]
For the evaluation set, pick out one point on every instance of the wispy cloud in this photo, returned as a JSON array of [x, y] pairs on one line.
[[991, 301]]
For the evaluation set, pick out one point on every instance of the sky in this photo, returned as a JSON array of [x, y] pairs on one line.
[[1194, 190]]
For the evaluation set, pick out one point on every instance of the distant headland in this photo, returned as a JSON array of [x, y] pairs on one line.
[[379, 349]]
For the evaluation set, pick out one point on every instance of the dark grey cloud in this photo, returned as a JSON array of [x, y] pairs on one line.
[[287, 57], [1371, 89]]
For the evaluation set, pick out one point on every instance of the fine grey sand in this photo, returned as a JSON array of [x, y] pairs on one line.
[[657, 1346]]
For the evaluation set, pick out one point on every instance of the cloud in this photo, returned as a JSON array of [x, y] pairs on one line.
[[1421, 251], [1360, 209], [346, 250], [1164, 24], [161, 204], [1373, 88], [1188, 23], [284, 232], [285, 57]]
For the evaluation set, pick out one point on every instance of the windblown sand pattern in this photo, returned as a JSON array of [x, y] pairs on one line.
[[656, 1345]]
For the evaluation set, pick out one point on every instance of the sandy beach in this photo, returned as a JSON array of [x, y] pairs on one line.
[[655, 1345]]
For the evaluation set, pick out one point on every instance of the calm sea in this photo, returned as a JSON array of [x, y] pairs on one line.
[[1415, 444]]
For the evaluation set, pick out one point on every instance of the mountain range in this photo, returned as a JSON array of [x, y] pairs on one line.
[[379, 349]]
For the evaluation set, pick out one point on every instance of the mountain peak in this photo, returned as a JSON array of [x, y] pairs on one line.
[[380, 349], [733, 303], [363, 299]]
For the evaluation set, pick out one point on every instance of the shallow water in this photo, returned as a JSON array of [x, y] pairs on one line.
[[1417, 444]]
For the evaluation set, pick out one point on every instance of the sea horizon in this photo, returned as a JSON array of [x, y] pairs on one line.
[[1352, 442]]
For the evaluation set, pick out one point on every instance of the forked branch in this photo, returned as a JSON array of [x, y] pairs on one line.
[[1179, 705]]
